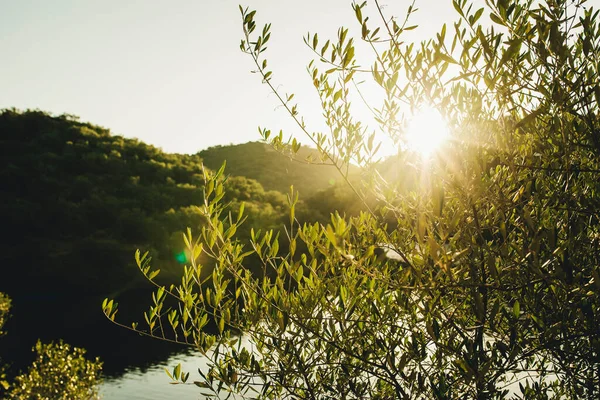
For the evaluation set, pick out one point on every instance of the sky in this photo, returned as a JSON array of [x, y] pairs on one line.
[[171, 73]]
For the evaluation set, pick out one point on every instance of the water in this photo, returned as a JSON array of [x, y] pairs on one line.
[[133, 365], [153, 382]]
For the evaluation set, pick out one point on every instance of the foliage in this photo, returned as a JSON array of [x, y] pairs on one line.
[[78, 200], [275, 171], [490, 288], [59, 372], [4, 310], [4, 313]]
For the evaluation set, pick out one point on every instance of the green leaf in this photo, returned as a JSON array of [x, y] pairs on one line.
[[447, 58], [337, 95], [153, 274], [358, 12], [221, 325], [517, 309], [529, 118], [476, 16], [496, 19], [343, 296], [511, 52], [457, 7]]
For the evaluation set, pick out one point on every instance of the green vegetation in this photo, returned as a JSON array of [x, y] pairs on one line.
[[73, 193], [491, 288], [274, 170], [76, 201], [59, 371], [4, 312]]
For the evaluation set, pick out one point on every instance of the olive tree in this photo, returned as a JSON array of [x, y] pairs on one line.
[[489, 283]]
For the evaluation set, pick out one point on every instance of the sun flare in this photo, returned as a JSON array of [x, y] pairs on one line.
[[426, 132]]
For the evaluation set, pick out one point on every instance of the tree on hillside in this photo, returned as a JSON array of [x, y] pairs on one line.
[[491, 285], [104, 196]]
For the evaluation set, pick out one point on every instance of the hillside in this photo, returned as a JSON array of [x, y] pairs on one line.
[[272, 169], [77, 201]]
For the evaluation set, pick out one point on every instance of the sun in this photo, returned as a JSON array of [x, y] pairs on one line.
[[426, 132]]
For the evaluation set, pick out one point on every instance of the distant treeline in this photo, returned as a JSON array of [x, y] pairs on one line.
[[76, 201]]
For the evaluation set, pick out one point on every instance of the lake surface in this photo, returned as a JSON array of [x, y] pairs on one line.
[[153, 382], [133, 365]]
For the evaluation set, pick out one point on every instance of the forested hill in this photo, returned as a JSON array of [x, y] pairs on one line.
[[76, 201], [275, 171]]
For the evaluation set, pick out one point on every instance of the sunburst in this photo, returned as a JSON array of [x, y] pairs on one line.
[[427, 131]]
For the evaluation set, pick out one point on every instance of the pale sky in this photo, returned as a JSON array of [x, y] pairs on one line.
[[170, 72]]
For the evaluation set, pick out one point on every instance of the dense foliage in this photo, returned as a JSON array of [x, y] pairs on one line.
[[76, 200], [4, 312], [72, 192], [58, 372], [491, 288], [274, 170]]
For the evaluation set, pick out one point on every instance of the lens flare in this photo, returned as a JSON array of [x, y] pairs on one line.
[[181, 257]]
